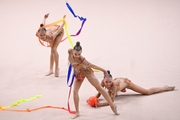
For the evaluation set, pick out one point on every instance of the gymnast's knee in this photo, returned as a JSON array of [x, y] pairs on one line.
[[53, 50], [148, 92], [75, 92]]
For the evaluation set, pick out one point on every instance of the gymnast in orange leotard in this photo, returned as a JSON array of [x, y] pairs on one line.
[[82, 69], [120, 84]]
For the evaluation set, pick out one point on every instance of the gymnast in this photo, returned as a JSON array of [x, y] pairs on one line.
[[82, 70], [120, 84], [53, 36]]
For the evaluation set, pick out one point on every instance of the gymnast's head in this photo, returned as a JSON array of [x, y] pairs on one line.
[[42, 32], [77, 50], [108, 80]]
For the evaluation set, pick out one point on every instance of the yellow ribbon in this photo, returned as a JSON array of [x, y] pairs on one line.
[[54, 23], [19, 101], [66, 30]]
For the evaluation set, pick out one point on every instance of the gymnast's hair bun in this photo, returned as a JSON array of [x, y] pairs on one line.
[[78, 43], [41, 25], [109, 74], [77, 47], [42, 29]]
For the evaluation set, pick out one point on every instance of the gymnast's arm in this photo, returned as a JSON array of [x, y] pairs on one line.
[[44, 19], [112, 94], [43, 22], [97, 68], [101, 104], [57, 29]]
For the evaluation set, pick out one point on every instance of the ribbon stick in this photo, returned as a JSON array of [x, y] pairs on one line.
[[54, 9]]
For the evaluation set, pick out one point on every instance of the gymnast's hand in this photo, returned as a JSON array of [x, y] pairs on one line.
[[96, 104], [46, 16], [64, 16]]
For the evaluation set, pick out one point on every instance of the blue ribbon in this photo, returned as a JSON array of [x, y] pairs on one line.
[[76, 16], [69, 7], [69, 75]]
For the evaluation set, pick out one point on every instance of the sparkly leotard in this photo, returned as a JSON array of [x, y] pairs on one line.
[[81, 66], [52, 33], [118, 85], [55, 31]]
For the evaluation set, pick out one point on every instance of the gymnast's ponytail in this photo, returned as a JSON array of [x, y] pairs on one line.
[[109, 74]]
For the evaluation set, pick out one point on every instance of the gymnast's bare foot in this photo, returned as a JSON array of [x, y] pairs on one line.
[[49, 73], [169, 88], [114, 109], [75, 116], [56, 73]]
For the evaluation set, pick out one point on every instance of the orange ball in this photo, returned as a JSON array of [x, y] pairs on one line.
[[92, 101]]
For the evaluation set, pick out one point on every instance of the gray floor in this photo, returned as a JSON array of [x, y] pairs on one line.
[[137, 39]]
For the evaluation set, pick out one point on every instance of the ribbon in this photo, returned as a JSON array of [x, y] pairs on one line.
[[54, 23], [72, 112], [20, 101], [76, 16], [70, 76], [68, 36], [71, 10], [39, 108], [34, 109]]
